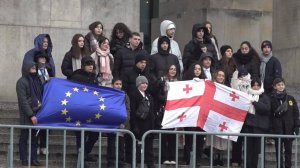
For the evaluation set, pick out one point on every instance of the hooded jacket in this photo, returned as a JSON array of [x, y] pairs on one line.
[[161, 61], [192, 50], [174, 45], [38, 44], [24, 95]]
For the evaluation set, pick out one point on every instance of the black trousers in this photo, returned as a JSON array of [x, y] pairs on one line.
[[111, 150], [90, 138], [168, 144], [23, 144], [287, 144], [188, 147], [42, 138]]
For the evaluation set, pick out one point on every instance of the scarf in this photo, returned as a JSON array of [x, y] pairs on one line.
[[243, 58], [264, 60], [76, 63], [43, 73], [104, 63], [254, 97], [35, 90]]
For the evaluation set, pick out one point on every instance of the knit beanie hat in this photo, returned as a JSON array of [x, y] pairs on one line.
[[141, 57], [266, 43], [242, 71], [140, 80], [224, 48]]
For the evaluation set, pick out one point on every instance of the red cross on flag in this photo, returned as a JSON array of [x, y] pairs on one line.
[[211, 106]]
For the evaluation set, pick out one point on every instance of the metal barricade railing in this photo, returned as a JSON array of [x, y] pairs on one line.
[[261, 159], [80, 161]]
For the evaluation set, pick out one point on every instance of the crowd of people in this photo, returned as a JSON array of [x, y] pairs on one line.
[[121, 62]]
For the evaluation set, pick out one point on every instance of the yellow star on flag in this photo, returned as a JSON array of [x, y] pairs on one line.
[[102, 107], [75, 89], [68, 94], [64, 111], [68, 119], [85, 89], [97, 116], [64, 102], [101, 99], [78, 123], [96, 93], [89, 120]]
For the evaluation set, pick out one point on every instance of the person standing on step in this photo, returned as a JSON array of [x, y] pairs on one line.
[[29, 94]]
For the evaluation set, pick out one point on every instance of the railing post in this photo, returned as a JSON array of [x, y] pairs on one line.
[[79, 158]]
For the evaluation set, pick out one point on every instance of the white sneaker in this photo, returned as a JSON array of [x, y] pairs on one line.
[[38, 151], [166, 162], [43, 151], [173, 162]]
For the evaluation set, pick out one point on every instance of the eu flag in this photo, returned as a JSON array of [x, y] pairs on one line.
[[72, 104]]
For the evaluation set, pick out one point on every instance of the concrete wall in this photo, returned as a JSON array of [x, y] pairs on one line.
[[22, 20], [233, 20], [286, 38]]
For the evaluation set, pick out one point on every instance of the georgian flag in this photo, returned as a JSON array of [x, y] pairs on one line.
[[211, 106]]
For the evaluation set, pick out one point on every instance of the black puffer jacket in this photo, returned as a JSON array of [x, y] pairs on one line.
[[261, 119], [124, 59], [192, 50]]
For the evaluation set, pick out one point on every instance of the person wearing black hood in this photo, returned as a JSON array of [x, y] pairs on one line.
[[285, 121], [160, 62], [29, 93], [86, 75], [247, 57], [192, 50], [208, 64]]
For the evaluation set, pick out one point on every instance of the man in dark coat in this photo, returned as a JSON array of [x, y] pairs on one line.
[[270, 67], [124, 58], [29, 93], [161, 61], [41, 43], [192, 50], [86, 75]]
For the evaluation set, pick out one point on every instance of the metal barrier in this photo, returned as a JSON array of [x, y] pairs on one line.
[[261, 159], [80, 161]]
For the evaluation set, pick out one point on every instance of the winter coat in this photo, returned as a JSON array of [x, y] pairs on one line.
[[159, 64], [124, 59], [140, 126], [91, 42], [129, 78], [192, 50], [272, 71], [24, 95], [243, 84], [285, 123], [174, 45], [38, 43], [250, 61], [66, 66], [261, 118], [82, 76], [116, 44]]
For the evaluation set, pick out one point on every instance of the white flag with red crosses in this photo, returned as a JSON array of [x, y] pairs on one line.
[[211, 106]]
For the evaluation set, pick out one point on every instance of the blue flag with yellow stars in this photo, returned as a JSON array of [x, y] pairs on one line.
[[72, 104]]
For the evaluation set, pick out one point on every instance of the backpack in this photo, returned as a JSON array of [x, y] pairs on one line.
[[143, 109]]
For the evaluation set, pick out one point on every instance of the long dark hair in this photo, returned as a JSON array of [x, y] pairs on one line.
[[93, 25], [75, 50], [189, 75], [167, 72], [121, 27]]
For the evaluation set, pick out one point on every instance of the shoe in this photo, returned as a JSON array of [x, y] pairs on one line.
[[43, 151], [172, 162], [35, 163], [90, 159], [38, 151], [235, 165], [166, 162], [24, 163]]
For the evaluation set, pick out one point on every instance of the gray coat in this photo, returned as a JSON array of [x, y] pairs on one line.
[[23, 94]]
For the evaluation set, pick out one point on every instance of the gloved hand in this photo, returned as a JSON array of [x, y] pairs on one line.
[[296, 131]]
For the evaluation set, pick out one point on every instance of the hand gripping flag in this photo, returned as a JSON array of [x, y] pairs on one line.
[[211, 106], [72, 104]]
